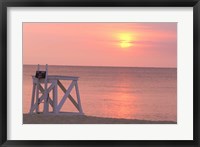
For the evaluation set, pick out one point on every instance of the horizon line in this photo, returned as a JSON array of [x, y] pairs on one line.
[[104, 66]]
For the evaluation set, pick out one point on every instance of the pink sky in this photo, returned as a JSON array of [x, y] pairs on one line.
[[99, 44]]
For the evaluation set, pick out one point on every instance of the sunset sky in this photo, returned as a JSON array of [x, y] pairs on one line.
[[101, 44]]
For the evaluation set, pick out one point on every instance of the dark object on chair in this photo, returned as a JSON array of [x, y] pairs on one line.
[[40, 74]]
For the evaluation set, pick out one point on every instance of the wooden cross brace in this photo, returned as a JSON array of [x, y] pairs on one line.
[[53, 102], [68, 95], [37, 99]]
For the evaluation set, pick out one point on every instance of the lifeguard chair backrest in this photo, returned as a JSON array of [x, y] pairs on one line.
[[41, 74]]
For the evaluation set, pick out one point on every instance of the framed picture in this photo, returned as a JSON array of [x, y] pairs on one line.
[[83, 73]]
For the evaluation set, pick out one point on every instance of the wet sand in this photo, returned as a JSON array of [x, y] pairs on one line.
[[83, 119]]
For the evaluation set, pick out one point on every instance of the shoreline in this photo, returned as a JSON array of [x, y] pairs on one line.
[[83, 119]]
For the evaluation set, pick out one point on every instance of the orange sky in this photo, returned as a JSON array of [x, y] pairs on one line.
[[101, 44]]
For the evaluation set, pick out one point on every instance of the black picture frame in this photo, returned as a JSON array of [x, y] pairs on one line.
[[4, 4]]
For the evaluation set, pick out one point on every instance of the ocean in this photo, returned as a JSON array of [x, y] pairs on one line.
[[117, 92]]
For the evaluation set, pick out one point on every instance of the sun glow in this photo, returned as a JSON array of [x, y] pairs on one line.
[[125, 40], [125, 44]]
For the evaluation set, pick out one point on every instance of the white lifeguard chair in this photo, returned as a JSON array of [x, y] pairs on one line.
[[43, 84]]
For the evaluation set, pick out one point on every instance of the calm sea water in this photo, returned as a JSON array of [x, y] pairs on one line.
[[117, 92]]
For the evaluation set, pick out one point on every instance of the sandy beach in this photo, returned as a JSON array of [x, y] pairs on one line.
[[83, 119]]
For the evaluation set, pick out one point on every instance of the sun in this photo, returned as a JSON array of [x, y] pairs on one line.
[[125, 44], [125, 40]]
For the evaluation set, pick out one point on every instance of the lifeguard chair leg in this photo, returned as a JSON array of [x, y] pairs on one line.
[[46, 103], [78, 98], [37, 92], [37, 97], [33, 98], [55, 96]]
